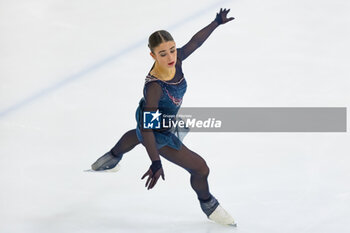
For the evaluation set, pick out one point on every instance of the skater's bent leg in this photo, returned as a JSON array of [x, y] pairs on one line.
[[199, 171], [126, 143], [194, 164]]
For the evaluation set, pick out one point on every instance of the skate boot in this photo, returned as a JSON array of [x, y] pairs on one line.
[[107, 162], [215, 212]]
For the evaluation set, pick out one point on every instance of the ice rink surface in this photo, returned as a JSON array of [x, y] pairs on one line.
[[72, 74]]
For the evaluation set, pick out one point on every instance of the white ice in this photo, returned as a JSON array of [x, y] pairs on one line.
[[71, 76]]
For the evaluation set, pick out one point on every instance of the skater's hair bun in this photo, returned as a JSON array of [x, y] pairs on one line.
[[158, 37]]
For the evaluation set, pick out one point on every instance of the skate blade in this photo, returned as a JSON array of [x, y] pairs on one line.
[[232, 224], [115, 169], [226, 224]]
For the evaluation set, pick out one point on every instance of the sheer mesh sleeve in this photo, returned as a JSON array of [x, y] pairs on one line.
[[196, 41], [153, 93]]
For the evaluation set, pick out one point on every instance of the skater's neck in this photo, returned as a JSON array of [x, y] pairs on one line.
[[163, 73]]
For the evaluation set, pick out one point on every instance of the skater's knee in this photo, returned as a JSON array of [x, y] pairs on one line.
[[205, 170], [201, 170]]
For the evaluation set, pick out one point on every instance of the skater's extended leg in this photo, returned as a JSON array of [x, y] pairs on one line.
[[126, 143], [110, 159]]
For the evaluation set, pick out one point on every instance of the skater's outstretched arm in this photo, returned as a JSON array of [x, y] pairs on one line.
[[152, 97], [198, 39]]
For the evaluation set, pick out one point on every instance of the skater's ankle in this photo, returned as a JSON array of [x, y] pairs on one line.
[[208, 206], [116, 155], [205, 200]]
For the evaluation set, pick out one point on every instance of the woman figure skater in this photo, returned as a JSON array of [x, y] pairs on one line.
[[164, 88]]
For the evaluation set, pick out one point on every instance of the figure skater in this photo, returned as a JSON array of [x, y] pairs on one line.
[[164, 88]]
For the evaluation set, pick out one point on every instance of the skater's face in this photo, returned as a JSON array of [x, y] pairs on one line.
[[165, 54]]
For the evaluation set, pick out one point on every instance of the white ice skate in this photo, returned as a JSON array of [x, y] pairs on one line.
[[106, 163], [212, 208], [220, 216]]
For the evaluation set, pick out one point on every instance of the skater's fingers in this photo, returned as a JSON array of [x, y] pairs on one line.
[[154, 181], [147, 173], [150, 184], [148, 180], [147, 184]]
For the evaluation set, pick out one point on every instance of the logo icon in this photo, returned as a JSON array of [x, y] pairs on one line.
[[151, 120]]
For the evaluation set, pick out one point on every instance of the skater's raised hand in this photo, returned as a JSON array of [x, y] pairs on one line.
[[221, 17], [153, 173]]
